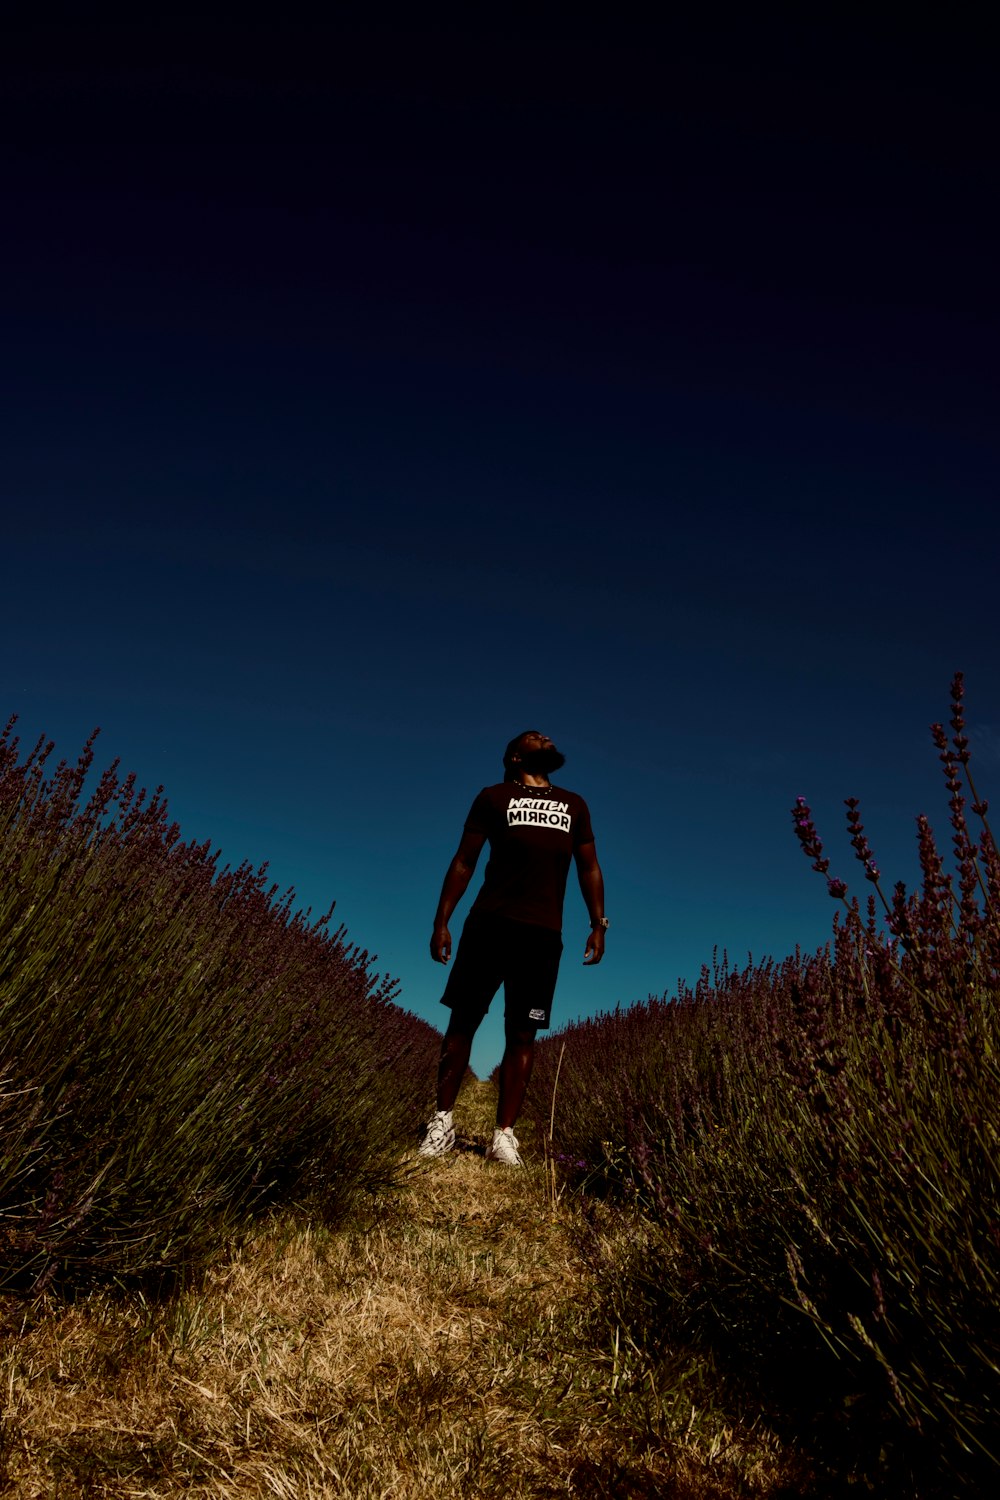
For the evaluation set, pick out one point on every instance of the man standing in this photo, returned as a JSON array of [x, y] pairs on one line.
[[512, 935]]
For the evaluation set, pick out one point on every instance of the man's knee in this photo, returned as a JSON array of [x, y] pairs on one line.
[[520, 1036], [458, 1036]]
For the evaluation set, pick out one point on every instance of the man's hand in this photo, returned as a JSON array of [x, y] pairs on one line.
[[441, 944], [455, 881], [592, 886], [594, 951]]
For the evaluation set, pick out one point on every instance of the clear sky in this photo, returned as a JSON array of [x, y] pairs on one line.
[[372, 396]]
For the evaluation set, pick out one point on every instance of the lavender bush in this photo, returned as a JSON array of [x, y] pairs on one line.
[[178, 1047], [816, 1144]]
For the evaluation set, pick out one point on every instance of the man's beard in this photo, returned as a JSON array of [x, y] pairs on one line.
[[542, 762]]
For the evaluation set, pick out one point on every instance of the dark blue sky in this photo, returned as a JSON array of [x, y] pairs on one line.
[[371, 396]]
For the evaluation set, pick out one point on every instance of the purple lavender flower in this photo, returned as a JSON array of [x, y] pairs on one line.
[[805, 832]]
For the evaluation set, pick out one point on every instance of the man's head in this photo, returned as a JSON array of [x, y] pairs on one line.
[[531, 753]]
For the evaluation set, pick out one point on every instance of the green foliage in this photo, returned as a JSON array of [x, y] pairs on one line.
[[178, 1050]]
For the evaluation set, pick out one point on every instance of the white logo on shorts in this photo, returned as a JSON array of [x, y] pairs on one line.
[[536, 1015]]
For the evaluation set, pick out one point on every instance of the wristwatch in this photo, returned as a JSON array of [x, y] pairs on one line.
[[601, 922]]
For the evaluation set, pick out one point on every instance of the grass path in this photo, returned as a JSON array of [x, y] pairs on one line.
[[448, 1347]]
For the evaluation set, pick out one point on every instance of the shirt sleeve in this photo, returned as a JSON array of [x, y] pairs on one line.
[[479, 819], [582, 831]]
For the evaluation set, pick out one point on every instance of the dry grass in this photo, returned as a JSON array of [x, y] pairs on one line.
[[446, 1348]]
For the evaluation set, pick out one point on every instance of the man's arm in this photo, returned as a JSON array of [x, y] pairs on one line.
[[592, 885], [455, 882]]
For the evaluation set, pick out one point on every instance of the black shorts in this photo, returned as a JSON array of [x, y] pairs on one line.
[[496, 951]]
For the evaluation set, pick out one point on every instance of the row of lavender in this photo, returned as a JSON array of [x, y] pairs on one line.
[[815, 1146], [178, 1048]]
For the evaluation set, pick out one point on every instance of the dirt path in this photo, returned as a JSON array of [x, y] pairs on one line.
[[446, 1349]]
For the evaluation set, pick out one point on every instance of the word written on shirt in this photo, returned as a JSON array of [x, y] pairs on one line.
[[539, 811]]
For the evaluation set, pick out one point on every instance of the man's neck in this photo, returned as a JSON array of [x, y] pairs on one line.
[[531, 778]]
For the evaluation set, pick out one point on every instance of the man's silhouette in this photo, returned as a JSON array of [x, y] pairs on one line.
[[512, 935]]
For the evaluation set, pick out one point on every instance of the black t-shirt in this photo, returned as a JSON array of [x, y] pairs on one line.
[[533, 836]]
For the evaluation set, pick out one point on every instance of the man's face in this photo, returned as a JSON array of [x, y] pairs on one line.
[[538, 754]]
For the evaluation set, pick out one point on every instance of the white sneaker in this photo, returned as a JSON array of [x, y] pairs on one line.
[[504, 1148], [439, 1136]]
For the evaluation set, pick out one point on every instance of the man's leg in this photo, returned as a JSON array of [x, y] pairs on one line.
[[515, 1070], [439, 1133], [533, 967], [473, 982], [455, 1052]]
